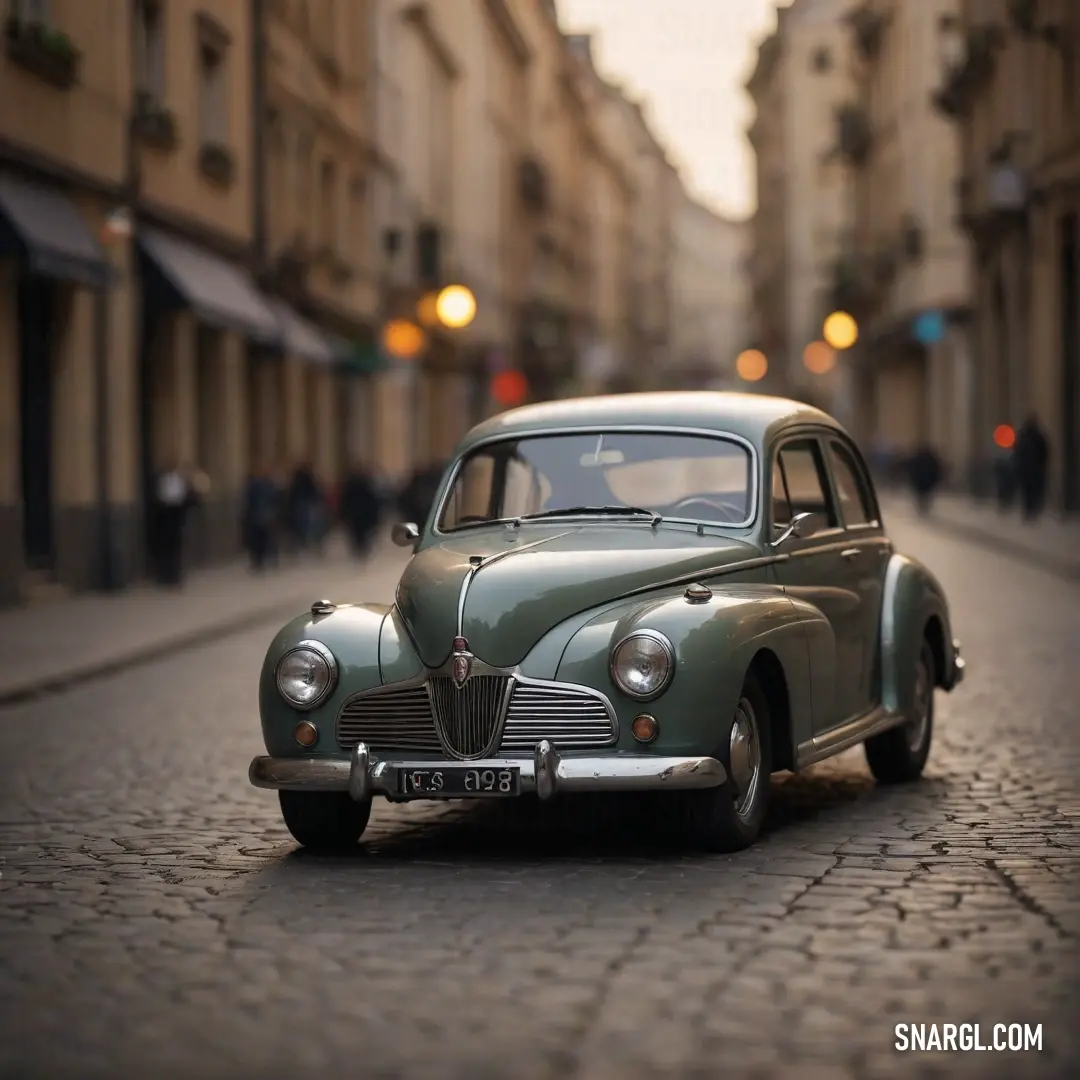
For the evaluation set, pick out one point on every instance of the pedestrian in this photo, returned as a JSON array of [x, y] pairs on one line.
[[260, 518], [360, 508], [1031, 458], [174, 497], [416, 498], [925, 473], [302, 502]]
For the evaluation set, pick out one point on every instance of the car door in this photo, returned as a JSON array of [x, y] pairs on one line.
[[866, 549], [816, 571]]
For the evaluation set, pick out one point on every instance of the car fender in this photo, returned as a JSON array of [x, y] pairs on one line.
[[714, 643], [912, 601], [354, 633]]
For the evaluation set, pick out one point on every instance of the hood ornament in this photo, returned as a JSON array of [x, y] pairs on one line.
[[461, 662]]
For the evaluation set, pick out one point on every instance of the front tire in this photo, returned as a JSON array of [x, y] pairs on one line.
[[898, 756], [729, 818], [324, 820]]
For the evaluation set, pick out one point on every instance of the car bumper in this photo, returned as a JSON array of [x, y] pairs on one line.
[[544, 775]]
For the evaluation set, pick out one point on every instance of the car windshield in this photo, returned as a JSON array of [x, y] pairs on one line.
[[696, 477]]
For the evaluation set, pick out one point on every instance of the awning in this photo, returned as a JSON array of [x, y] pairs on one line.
[[43, 226], [301, 338], [220, 294]]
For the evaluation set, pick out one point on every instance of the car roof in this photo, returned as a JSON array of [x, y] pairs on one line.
[[755, 417]]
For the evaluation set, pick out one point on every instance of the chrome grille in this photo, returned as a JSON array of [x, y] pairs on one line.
[[468, 717], [397, 719], [401, 718], [569, 718]]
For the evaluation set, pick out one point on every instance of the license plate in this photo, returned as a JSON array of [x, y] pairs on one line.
[[457, 782]]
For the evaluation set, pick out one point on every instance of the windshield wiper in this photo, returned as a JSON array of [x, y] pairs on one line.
[[599, 511]]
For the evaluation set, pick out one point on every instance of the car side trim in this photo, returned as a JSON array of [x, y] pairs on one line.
[[846, 735]]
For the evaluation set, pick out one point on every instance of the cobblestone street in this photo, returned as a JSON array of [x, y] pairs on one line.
[[157, 921]]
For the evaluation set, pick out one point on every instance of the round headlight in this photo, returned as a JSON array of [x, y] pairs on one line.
[[306, 675], [643, 664]]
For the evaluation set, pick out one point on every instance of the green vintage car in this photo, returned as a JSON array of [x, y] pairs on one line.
[[673, 592]]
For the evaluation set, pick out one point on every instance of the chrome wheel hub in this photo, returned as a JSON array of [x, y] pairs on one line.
[[916, 730], [744, 757]]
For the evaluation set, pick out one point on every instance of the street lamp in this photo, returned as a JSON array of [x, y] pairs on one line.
[[455, 307], [840, 330], [819, 358], [751, 365], [403, 339]]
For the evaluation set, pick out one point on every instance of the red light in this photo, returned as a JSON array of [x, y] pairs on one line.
[[509, 388], [1004, 436]]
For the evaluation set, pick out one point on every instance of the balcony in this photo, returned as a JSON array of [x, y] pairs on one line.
[[1024, 16], [868, 28], [42, 51], [216, 163], [153, 123], [534, 185], [912, 240], [854, 135], [965, 79]]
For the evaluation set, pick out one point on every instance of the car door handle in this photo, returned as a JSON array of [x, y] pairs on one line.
[[850, 553]]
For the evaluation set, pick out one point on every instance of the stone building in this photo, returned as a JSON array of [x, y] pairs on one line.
[[769, 252], [710, 294], [1010, 83]]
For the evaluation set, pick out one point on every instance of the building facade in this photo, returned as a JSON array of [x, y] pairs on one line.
[[768, 269], [1009, 82], [710, 294]]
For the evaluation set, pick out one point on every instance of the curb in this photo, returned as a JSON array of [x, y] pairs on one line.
[[77, 676], [1058, 567]]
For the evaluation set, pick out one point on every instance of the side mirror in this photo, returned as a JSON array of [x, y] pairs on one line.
[[800, 527], [405, 533]]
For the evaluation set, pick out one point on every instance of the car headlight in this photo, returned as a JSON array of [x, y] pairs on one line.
[[642, 664], [306, 674]]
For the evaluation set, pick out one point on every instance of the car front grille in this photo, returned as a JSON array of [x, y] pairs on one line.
[[411, 718]]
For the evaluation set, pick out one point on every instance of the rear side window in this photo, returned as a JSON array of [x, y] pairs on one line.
[[799, 484], [856, 505]]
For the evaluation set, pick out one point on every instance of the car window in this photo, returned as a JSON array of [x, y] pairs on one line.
[[855, 503], [802, 484]]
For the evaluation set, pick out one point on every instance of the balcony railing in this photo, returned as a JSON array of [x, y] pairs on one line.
[[154, 123], [42, 51], [964, 81], [868, 27], [854, 135]]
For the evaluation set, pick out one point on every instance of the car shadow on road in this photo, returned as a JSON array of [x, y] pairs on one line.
[[585, 828]]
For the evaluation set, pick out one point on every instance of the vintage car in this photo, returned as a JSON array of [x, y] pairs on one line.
[[667, 592]]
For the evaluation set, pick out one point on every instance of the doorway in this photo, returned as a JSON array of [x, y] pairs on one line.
[[37, 312], [1070, 362]]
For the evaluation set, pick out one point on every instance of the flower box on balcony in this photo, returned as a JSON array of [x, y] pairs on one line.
[[44, 52], [154, 123], [217, 163]]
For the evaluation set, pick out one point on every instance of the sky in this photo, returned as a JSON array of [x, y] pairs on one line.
[[688, 60]]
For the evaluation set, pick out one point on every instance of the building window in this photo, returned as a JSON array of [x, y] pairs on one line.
[[326, 206], [150, 46], [32, 11], [357, 230], [213, 96], [821, 61]]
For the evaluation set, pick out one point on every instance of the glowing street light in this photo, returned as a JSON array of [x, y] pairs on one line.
[[455, 307], [819, 358], [751, 365], [840, 331], [403, 340]]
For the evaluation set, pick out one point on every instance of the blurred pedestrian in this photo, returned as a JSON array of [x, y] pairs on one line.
[[925, 473], [302, 506], [1031, 457], [261, 515], [360, 508], [417, 496], [1004, 468], [174, 496]]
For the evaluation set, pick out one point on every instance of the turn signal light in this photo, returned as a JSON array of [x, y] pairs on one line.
[[644, 728], [306, 733]]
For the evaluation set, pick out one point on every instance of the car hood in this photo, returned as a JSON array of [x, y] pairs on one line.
[[533, 579]]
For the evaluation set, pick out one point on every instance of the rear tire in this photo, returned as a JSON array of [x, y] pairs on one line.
[[324, 820], [729, 818], [898, 756]]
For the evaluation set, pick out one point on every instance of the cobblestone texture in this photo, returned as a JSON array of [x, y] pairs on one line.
[[155, 919]]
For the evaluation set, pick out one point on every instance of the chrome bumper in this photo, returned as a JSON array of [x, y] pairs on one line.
[[362, 776], [959, 666]]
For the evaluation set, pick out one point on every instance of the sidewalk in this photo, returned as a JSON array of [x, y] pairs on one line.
[[1050, 542], [52, 645]]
